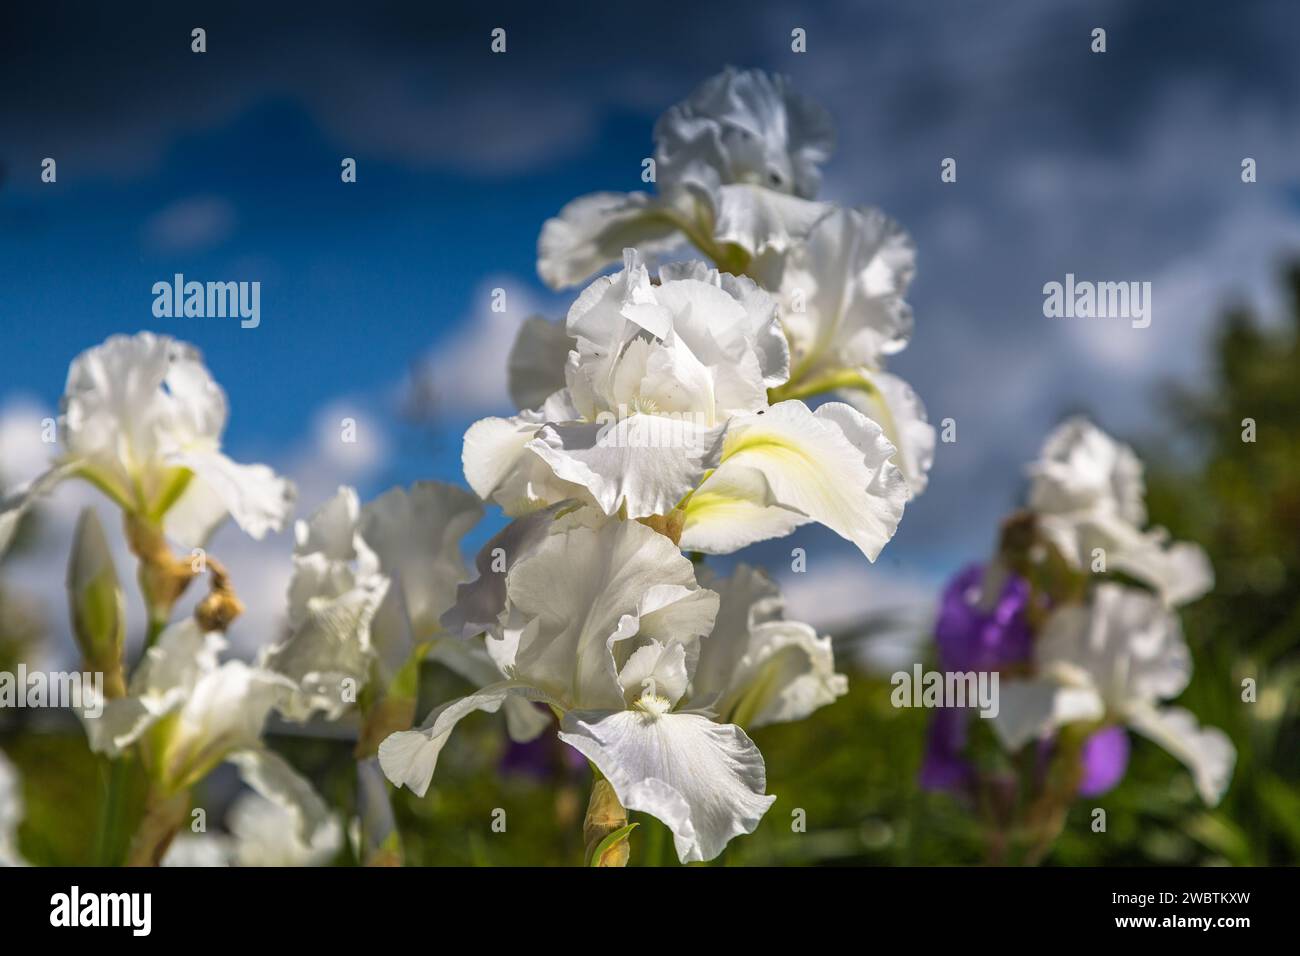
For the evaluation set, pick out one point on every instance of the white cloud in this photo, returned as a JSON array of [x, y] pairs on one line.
[[190, 225], [23, 453], [466, 370], [1237, 263]]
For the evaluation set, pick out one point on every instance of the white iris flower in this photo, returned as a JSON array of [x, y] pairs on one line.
[[1087, 493], [602, 621], [665, 407], [141, 419], [190, 713], [1115, 660], [736, 165]]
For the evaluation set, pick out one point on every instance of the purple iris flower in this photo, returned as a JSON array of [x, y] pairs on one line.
[[973, 636]]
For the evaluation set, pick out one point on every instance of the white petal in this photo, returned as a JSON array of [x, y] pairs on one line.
[[16, 504], [1126, 643], [121, 722], [268, 834], [271, 776], [1032, 709], [787, 673], [833, 465], [536, 364], [656, 669], [161, 684], [328, 647], [704, 780], [895, 407], [1207, 752], [500, 467], [256, 497], [592, 231], [493, 447], [756, 668], [409, 757], [755, 327], [583, 591], [734, 508], [416, 536], [744, 126], [137, 407], [479, 603], [113, 401], [601, 314], [1084, 470], [225, 712], [759, 220], [11, 812], [331, 529], [469, 658], [746, 598], [842, 291], [196, 515], [199, 850], [1180, 571], [644, 462]]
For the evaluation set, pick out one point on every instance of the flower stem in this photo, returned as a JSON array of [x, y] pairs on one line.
[[110, 835], [164, 815]]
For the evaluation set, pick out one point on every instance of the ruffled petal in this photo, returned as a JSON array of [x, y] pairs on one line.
[[1206, 751], [16, 504], [758, 220], [744, 126], [161, 684], [1125, 642], [592, 231], [408, 757], [896, 408], [416, 535], [584, 600], [271, 776], [469, 658], [842, 291], [646, 463], [224, 713], [501, 467], [328, 651], [331, 529], [757, 669], [266, 833], [480, 602], [832, 465], [1083, 470], [255, 496], [704, 780], [734, 508]]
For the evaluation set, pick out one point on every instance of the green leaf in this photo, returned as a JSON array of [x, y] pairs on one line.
[[610, 842]]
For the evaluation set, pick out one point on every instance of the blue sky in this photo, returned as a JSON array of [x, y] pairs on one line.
[[225, 166]]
